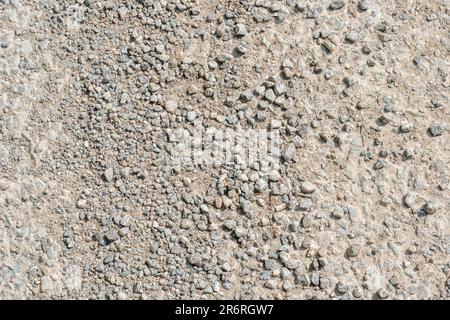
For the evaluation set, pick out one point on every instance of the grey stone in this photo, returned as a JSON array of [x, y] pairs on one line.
[[336, 5], [240, 30], [436, 130], [108, 174], [352, 36]]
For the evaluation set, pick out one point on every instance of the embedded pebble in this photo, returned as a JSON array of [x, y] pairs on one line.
[[336, 5], [436, 130], [352, 36], [308, 187], [431, 207]]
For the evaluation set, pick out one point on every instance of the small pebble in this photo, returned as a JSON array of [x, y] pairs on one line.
[[336, 5], [307, 187], [436, 130], [240, 30], [431, 207], [352, 36]]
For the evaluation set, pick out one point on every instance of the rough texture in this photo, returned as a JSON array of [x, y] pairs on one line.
[[356, 208]]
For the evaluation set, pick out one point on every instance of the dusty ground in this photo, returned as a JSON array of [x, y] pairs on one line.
[[92, 205]]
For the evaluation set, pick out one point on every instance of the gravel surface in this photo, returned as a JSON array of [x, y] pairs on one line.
[[100, 101]]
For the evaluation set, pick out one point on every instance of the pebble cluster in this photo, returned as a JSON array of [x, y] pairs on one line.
[[357, 207]]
